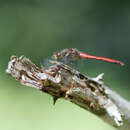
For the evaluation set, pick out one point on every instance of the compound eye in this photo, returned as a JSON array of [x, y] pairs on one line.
[[58, 55]]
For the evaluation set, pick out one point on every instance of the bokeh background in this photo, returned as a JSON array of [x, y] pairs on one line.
[[36, 29]]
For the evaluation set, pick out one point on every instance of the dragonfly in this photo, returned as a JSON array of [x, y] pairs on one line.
[[70, 56], [67, 56]]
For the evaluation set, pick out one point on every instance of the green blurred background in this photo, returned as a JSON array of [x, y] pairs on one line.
[[36, 29]]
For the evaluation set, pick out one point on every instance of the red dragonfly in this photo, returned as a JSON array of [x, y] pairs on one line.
[[68, 55]]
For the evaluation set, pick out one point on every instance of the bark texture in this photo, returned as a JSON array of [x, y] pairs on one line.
[[61, 81]]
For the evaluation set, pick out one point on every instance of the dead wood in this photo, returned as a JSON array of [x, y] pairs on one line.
[[61, 81]]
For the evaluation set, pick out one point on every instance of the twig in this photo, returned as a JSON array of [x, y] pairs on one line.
[[61, 81]]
